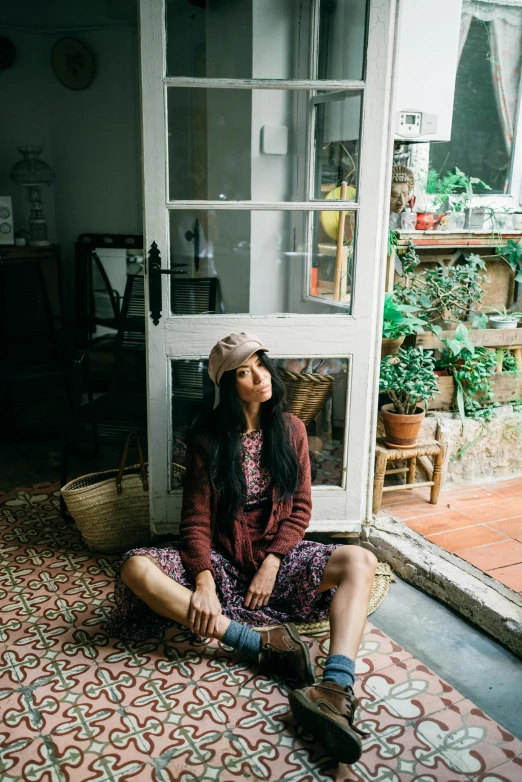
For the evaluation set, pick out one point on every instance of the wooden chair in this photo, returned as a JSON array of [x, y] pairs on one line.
[[384, 454]]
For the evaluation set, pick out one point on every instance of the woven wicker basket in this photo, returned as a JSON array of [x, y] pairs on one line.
[[306, 394], [111, 508], [383, 577]]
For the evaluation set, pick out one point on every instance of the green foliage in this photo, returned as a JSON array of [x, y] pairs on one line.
[[471, 366], [409, 260], [455, 183], [393, 240], [408, 379], [509, 363], [504, 314], [459, 342], [447, 293], [400, 319], [511, 253]]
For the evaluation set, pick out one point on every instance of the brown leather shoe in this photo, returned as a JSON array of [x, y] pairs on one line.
[[326, 710], [286, 655]]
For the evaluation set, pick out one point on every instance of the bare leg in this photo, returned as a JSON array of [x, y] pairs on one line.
[[161, 593], [351, 569]]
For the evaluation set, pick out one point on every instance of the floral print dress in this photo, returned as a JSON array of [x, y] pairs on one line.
[[295, 596]]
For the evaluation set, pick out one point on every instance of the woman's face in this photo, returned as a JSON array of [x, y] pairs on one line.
[[253, 380]]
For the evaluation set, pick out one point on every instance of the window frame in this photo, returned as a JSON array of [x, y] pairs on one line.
[[512, 200]]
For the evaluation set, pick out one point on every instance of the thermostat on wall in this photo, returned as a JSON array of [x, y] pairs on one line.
[[410, 123], [6, 220]]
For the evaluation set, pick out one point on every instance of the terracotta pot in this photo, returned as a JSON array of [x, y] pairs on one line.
[[389, 347], [441, 372], [401, 430]]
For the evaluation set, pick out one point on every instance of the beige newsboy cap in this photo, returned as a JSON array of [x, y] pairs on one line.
[[231, 352]]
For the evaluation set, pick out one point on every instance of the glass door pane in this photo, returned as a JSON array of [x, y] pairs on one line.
[[316, 390], [243, 145], [259, 262], [257, 39]]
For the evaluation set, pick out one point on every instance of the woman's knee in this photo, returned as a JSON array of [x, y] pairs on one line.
[[135, 570], [359, 559]]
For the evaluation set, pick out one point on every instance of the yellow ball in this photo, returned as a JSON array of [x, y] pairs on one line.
[[330, 220]]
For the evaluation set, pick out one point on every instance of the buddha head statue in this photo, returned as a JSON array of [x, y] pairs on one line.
[[401, 189]]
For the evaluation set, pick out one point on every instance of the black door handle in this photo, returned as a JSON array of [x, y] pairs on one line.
[[155, 271]]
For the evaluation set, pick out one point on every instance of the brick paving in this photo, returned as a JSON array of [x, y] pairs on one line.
[[481, 524]]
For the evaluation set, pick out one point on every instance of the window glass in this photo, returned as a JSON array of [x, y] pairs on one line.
[[337, 134], [486, 100], [239, 261], [342, 39], [316, 390], [242, 145], [264, 39]]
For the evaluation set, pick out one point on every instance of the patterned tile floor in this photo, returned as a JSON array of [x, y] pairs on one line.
[[77, 705], [483, 525]]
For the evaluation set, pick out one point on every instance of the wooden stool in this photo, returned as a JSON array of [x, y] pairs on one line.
[[384, 454]]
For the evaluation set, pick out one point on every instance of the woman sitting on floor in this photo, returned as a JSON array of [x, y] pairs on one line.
[[242, 561]]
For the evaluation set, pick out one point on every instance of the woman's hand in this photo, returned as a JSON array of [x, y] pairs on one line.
[[205, 607], [263, 582]]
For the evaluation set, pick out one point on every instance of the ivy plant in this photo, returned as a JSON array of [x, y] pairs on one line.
[[408, 378]]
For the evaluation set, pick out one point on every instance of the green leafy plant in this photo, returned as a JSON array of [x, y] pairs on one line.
[[459, 342], [511, 253], [399, 319], [393, 240], [445, 292], [471, 367], [454, 190], [408, 379], [509, 363], [503, 314]]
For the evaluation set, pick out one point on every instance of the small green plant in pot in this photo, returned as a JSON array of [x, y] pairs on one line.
[[408, 379], [455, 191], [502, 319], [399, 320]]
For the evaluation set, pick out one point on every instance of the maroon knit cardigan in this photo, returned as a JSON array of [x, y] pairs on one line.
[[285, 528]]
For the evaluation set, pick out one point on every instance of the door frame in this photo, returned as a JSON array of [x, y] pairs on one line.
[[354, 336]]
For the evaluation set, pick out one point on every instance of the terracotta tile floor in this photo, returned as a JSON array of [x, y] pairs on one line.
[[78, 705], [483, 525]]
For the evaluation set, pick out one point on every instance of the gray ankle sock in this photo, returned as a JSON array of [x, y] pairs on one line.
[[244, 639], [340, 669]]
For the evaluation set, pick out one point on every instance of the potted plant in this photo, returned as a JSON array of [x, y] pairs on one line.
[[455, 191], [408, 379], [399, 320], [504, 319], [517, 221]]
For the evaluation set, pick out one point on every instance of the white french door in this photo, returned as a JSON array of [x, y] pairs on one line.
[[266, 150]]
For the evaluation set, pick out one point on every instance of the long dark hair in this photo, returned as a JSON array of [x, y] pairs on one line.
[[216, 434]]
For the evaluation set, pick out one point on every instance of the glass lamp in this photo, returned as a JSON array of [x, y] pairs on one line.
[[33, 173]]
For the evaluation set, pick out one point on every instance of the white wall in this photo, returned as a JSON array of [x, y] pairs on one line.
[[91, 138], [273, 42]]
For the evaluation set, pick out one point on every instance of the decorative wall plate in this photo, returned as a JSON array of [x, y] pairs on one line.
[[72, 63]]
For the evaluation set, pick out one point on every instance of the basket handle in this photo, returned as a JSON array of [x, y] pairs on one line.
[[123, 464]]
